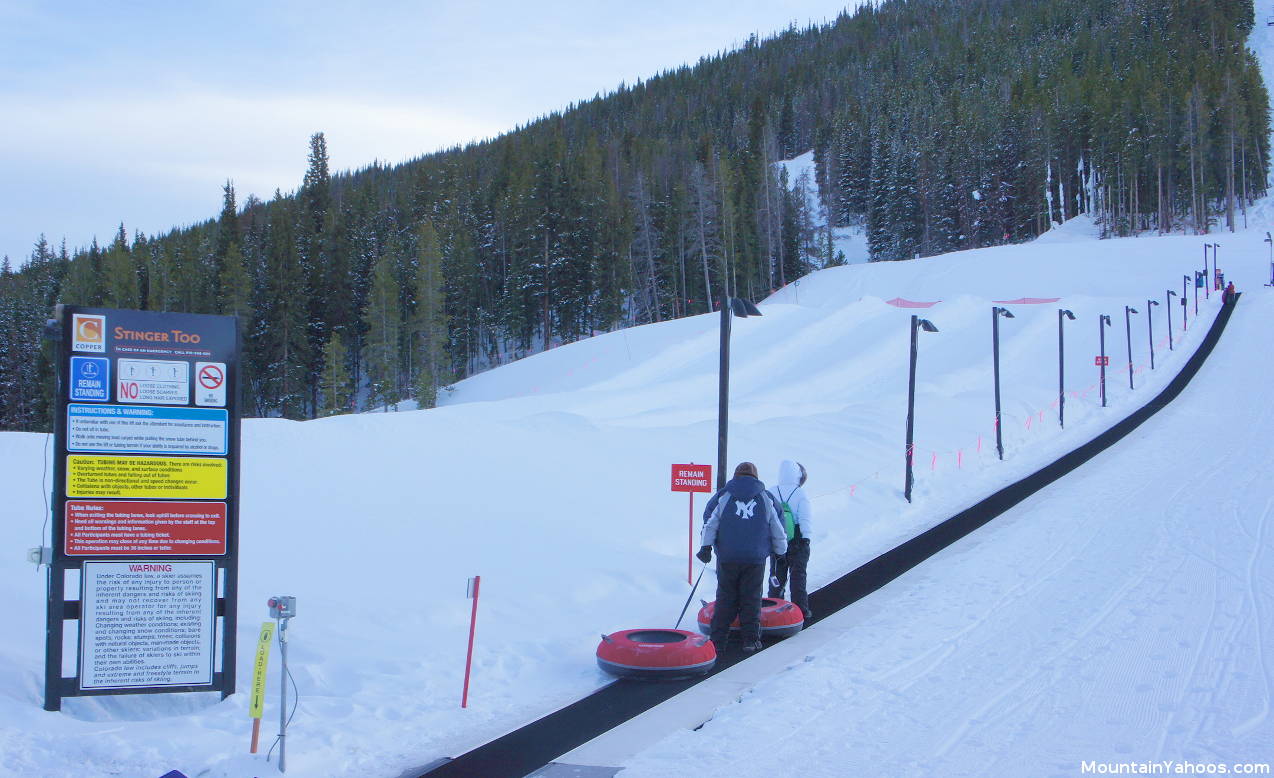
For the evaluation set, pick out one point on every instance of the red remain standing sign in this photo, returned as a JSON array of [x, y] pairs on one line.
[[692, 478]]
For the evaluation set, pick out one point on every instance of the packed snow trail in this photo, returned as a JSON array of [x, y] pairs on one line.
[[1124, 614]]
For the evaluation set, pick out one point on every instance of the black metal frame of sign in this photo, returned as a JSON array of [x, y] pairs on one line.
[[146, 489]]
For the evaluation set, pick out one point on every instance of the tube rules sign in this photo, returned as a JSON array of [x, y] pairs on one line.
[[145, 503]]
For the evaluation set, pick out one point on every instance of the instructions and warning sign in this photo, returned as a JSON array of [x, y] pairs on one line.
[[112, 527], [124, 429], [159, 478], [147, 624], [145, 513]]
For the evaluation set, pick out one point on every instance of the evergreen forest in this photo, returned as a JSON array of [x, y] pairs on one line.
[[935, 125]]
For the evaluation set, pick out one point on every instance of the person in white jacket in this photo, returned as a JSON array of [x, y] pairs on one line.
[[789, 489]]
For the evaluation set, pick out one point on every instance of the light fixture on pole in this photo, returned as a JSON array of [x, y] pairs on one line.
[[1167, 312], [1102, 324], [996, 313], [741, 308], [1128, 312], [1150, 328], [917, 324], [1062, 314]]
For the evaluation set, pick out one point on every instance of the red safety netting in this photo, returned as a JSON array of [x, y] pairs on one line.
[[898, 302]]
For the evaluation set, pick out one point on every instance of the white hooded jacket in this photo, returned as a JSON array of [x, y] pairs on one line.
[[788, 489]]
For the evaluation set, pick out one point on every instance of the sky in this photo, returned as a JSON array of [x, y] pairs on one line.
[[139, 112]]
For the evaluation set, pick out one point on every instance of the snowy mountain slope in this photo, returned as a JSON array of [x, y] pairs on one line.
[[1121, 616], [549, 478]]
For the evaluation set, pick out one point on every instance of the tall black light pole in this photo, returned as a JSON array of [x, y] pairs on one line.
[[1185, 282], [741, 308], [1102, 323], [917, 324], [1167, 312], [1128, 312], [1206, 246], [1210, 280], [1150, 328], [1270, 240], [996, 313], [1198, 281], [1062, 315]]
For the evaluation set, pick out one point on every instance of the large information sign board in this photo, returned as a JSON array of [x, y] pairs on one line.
[[145, 503]]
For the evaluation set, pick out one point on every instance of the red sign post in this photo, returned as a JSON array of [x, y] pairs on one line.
[[691, 478]]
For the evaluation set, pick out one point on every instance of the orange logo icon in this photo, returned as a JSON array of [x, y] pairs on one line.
[[89, 331]]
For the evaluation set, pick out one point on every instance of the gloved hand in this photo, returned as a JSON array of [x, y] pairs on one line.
[[705, 554]]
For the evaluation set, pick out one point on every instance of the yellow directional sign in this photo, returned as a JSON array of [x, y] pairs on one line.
[[256, 703]]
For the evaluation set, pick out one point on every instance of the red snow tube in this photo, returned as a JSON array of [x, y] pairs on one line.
[[655, 653], [779, 618]]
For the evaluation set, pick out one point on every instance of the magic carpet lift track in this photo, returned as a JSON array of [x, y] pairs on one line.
[[536, 745]]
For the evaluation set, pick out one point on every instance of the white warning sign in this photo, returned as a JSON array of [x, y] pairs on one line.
[[147, 624], [152, 381], [210, 384]]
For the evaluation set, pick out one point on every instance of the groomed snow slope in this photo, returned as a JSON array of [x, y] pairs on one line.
[[1123, 615], [549, 478]]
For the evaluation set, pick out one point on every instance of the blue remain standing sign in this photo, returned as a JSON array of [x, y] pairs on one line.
[[90, 379]]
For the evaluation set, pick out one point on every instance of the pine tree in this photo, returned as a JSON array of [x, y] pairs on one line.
[[383, 350], [336, 390], [429, 321]]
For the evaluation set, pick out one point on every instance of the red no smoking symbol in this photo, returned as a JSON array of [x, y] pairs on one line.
[[210, 377]]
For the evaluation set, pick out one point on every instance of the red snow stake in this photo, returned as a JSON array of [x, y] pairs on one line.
[[472, 594]]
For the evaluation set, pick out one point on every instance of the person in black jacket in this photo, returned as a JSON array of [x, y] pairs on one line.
[[745, 531]]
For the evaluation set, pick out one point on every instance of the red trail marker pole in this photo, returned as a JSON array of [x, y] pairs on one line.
[[474, 582]]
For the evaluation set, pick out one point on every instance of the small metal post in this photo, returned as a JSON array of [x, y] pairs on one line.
[[1185, 282], [917, 324], [1102, 323], [996, 313], [283, 694], [723, 393], [1128, 311], [1167, 312], [1150, 328], [1061, 367], [911, 405]]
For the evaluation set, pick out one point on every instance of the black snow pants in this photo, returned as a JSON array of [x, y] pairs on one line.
[[738, 594], [794, 563]]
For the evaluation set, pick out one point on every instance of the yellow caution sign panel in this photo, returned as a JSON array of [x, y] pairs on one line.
[[256, 704], [160, 478]]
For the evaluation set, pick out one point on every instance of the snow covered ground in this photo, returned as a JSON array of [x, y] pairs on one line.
[[1124, 615], [549, 478]]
